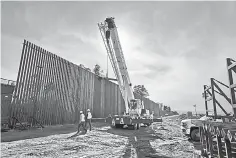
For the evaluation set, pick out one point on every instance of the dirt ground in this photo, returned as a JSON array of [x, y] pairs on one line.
[[162, 140]]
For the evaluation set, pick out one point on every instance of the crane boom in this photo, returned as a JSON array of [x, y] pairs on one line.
[[111, 40]]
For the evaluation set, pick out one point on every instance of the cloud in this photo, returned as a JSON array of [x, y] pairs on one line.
[[173, 48]]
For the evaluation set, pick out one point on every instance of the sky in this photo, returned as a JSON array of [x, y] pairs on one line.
[[172, 48]]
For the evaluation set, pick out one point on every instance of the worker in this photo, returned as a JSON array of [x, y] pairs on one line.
[[151, 116], [88, 120], [82, 122]]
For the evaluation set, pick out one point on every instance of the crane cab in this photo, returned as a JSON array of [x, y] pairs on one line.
[[135, 107]]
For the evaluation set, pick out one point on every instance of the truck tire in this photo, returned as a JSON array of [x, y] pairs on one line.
[[132, 127], [195, 135], [138, 126], [119, 126]]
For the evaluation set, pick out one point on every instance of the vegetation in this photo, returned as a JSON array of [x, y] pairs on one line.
[[97, 70], [141, 90]]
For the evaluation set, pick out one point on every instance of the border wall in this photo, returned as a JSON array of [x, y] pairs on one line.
[[7, 88], [54, 90]]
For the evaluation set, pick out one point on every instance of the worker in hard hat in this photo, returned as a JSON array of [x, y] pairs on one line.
[[88, 120], [82, 122], [152, 115]]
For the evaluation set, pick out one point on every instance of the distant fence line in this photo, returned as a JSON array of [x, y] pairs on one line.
[[54, 90]]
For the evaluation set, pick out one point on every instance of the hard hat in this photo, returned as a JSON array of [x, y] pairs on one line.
[[81, 112], [88, 110]]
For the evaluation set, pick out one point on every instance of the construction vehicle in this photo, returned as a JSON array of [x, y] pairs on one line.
[[133, 107]]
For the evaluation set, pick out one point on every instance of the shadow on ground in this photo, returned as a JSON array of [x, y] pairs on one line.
[[140, 140]]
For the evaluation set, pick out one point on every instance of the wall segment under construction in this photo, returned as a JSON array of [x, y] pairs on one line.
[[54, 90]]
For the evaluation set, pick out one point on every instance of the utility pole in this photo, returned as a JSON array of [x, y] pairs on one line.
[[195, 109]]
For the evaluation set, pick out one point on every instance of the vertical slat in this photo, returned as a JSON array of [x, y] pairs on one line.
[[219, 147], [62, 96], [63, 91], [48, 122], [213, 97], [42, 77], [77, 92], [59, 73], [29, 72], [90, 90], [72, 86], [50, 91], [81, 89], [85, 90], [21, 95], [16, 90], [78, 79], [74, 94], [228, 148], [56, 95], [102, 97], [36, 74], [205, 96], [54, 90], [65, 81], [57, 92], [69, 88], [43, 82], [40, 65], [231, 82], [18, 83], [21, 83], [49, 103]]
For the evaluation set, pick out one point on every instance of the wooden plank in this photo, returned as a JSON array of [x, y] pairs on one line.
[[228, 148], [219, 147], [232, 65]]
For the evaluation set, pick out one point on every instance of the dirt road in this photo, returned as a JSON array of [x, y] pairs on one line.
[[159, 141]]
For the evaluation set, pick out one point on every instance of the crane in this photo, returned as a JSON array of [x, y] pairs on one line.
[[133, 107]]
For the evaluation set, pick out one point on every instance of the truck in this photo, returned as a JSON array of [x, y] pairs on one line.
[[132, 117], [190, 127]]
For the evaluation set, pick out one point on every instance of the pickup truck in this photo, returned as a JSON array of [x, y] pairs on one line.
[[190, 127]]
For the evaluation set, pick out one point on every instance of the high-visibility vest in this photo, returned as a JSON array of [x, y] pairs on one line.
[[82, 118], [89, 116]]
